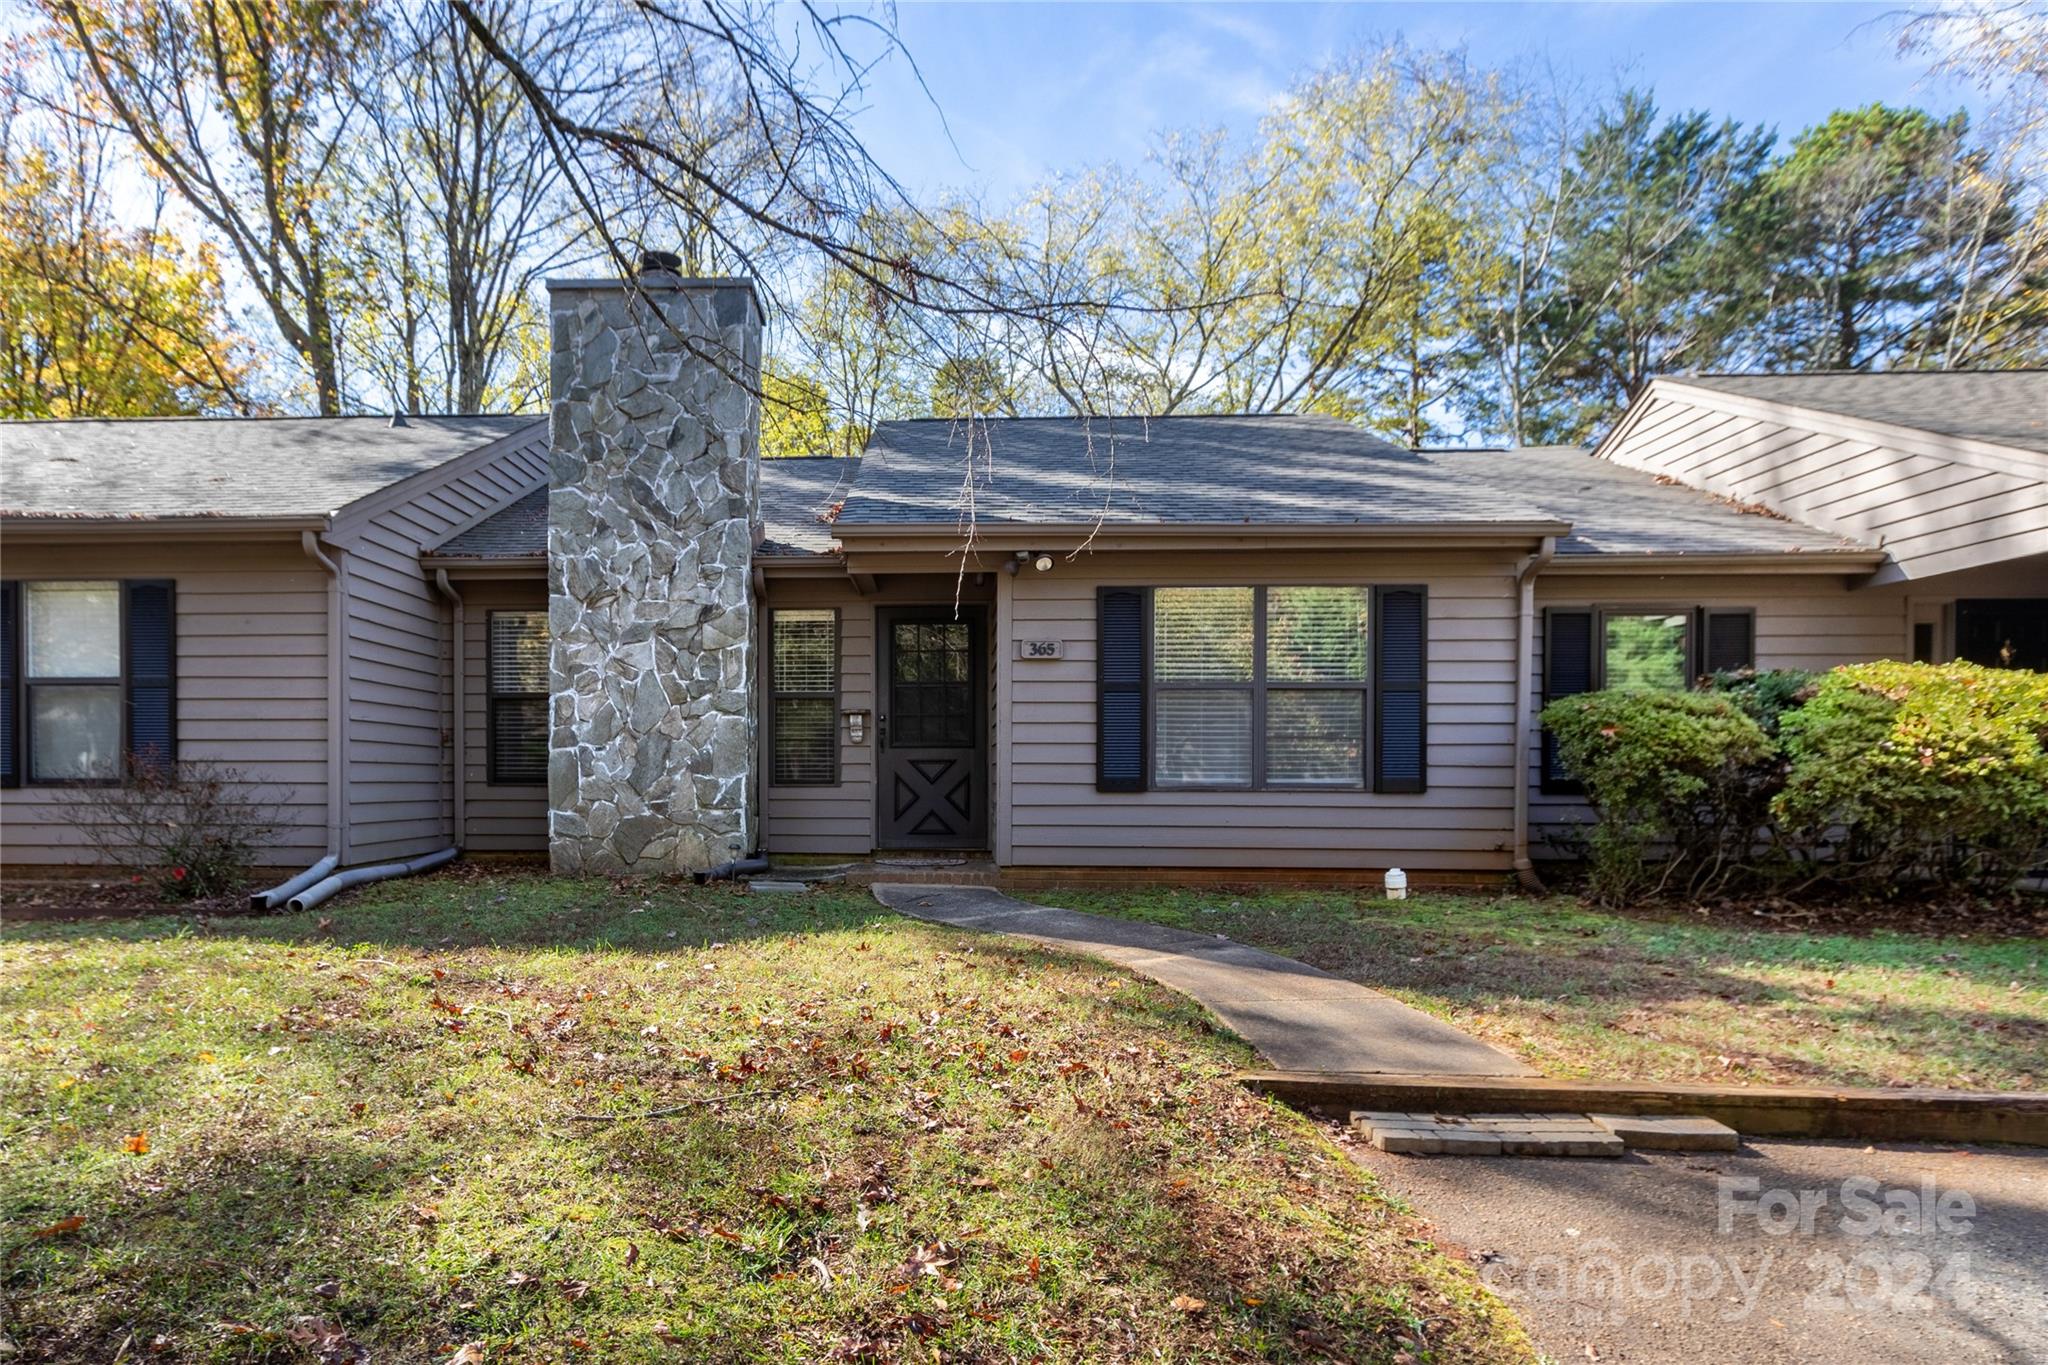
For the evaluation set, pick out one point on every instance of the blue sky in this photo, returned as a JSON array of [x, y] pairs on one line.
[[1031, 88]]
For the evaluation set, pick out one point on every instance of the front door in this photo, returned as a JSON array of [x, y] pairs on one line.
[[932, 729]]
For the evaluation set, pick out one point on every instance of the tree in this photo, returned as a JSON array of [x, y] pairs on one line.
[[468, 212], [242, 109], [1619, 258], [796, 415], [2001, 316], [1887, 221], [1655, 273], [97, 320]]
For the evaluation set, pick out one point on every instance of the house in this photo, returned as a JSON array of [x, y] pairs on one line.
[[1172, 646]]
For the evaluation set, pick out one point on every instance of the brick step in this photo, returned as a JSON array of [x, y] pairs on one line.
[[1537, 1134]]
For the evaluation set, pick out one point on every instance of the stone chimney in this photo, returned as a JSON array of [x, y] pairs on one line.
[[654, 432]]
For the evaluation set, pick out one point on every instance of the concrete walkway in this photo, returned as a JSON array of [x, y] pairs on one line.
[[1298, 1018]]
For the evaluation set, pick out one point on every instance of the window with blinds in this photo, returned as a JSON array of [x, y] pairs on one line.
[[516, 708], [1259, 686], [803, 669]]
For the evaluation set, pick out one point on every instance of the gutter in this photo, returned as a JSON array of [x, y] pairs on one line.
[[457, 758], [1525, 691], [337, 698]]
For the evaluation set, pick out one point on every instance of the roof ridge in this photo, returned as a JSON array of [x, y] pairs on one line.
[[275, 417], [1131, 417]]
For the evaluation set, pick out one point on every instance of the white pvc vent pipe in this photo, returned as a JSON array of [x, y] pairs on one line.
[[342, 881]]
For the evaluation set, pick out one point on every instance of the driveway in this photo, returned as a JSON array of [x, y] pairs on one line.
[[1926, 1254]]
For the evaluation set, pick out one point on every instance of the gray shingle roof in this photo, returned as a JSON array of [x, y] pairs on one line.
[[2007, 407], [518, 529], [795, 494], [161, 468], [1304, 471], [1617, 510]]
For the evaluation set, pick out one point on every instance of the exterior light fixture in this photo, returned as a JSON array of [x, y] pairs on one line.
[[1043, 563], [856, 726]]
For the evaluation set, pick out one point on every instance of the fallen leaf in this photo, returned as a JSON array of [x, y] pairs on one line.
[[62, 1226], [137, 1143], [469, 1353], [328, 1289], [1188, 1303]]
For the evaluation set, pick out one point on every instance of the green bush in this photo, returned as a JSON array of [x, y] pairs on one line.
[[1675, 777], [1765, 697], [1920, 773]]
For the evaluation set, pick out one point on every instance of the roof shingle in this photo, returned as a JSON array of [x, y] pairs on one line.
[[2004, 407], [1617, 510], [1217, 471], [171, 467]]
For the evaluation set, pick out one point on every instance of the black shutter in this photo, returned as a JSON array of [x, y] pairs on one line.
[[1567, 671], [152, 663], [1400, 729], [1727, 640], [1120, 668], [10, 683]]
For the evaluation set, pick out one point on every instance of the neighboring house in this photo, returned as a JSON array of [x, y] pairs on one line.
[[1169, 646]]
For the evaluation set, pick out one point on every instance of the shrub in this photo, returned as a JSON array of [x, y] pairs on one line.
[[1680, 780], [1920, 772], [192, 829], [1765, 697]]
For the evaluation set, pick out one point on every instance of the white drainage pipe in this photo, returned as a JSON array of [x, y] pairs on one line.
[[342, 881], [285, 890]]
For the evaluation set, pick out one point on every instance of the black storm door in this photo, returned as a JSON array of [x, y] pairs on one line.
[[933, 729]]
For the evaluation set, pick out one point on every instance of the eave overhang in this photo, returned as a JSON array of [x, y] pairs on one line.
[[952, 539], [46, 529], [1776, 562]]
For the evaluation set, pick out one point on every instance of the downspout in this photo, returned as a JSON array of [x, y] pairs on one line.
[[458, 759], [1525, 672], [337, 701]]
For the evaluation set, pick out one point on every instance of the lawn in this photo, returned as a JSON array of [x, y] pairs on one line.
[[481, 1118], [1585, 993]]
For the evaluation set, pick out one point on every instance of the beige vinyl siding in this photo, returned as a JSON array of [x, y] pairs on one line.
[[399, 784], [1807, 622], [1464, 821], [1933, 512], [251, 685], [840, 819], [496, 819]]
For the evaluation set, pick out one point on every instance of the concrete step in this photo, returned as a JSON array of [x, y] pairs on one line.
[[1536, 1134]]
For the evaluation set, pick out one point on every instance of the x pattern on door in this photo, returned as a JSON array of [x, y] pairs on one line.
[[933, 796]]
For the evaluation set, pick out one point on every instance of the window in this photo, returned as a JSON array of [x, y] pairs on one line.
[[71, 663], [516, 712], [1259, 686], [1636, 648], [1645, 651], [803, 665], [86, 679]]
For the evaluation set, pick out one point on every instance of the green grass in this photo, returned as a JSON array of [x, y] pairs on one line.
[[879, 1139], [1584, 993]]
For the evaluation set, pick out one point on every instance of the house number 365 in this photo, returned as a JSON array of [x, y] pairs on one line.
[[1040, 649]]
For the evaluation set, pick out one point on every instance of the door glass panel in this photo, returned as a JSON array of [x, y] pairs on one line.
[[931, 684]]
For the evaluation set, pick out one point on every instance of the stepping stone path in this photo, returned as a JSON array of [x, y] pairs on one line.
[[1537, 1134]]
